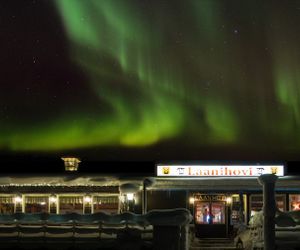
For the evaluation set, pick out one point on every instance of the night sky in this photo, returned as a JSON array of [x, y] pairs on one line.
[[151, 79]]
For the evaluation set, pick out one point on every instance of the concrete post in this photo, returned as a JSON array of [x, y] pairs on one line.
[[166, 237], [241, 209], [144, 202], [170, 228], [269, 209], [184, 237], [148, 182]]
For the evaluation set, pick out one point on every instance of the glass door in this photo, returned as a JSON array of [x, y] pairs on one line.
[[210, 212], [202, 210], [218, 212], [210, 216]]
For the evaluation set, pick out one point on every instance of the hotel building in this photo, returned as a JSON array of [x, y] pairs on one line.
[[219, 197]]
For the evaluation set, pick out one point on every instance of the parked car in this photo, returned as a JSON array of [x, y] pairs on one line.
[[287, 232]]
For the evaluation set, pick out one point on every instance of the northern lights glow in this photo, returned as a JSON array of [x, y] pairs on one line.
[[139, 73]]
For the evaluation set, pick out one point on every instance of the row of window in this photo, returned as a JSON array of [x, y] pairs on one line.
[[213, 212], [62, 204], [110, 203], [256, 202]]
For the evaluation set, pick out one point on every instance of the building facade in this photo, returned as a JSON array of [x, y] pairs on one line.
[[219, 198]]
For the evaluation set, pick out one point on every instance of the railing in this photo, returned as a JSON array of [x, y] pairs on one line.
[[140, 229], [99, 225]]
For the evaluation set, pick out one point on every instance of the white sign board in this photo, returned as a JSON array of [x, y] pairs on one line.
[[218, 170]]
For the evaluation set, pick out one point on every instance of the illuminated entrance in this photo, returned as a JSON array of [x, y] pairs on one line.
[[210, 216], [218, 215]]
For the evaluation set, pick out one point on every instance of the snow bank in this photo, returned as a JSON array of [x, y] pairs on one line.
[[257, 219], [282, 219], [169, 217], [295, 215]]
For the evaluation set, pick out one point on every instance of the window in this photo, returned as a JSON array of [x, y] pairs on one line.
[[6, 205], [202, 212], [70, 204], [107, 204], [36, 204], [294, 202], [280, 202], [238, 209], [256, 202], [218, 212]]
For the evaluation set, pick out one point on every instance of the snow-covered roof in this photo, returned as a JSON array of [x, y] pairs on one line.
[[212, 183]]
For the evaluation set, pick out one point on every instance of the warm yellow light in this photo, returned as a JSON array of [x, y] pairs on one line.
[[130, 196], [18, 199], [53, 199], [192, 200], [87, 199], [229, 200], [71, 163]]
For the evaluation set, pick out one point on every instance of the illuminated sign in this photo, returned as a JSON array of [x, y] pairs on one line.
[[210, 198], [218, 170]]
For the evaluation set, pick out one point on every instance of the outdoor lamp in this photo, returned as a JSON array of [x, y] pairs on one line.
[[71, 163], [228, 200], [87, 199], [53, 199], [130, 196], [18, 199], [192, 200]]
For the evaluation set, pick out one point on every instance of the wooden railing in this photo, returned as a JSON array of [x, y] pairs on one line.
[[163, 229]]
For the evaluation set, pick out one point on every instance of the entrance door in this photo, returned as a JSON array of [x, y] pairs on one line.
[[210, 218]]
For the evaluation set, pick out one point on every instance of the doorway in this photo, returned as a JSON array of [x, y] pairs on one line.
[[210, 216]]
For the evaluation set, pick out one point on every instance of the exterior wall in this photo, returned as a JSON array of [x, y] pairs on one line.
[[27, 202], [156, 199], [166, 199], [138, 202]]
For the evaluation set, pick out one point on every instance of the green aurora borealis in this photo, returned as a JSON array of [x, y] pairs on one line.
[[138, 73]]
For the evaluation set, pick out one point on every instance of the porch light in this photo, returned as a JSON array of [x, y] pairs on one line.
[[18, 199], [130, 196], [53, 199], [228, 200], [87, 199], [192, 200], [71, 163]]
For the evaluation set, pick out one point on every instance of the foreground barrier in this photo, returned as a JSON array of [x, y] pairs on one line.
[[159, 229]]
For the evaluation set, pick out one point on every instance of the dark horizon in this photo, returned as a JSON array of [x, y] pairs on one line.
[[53, 164]]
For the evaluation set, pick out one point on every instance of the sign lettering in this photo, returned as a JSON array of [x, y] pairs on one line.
[[210, 197], [219, 170]]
